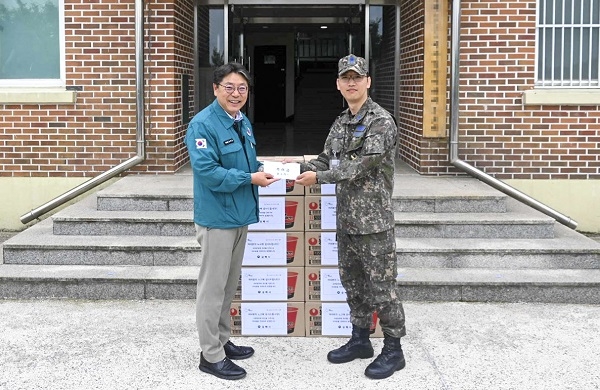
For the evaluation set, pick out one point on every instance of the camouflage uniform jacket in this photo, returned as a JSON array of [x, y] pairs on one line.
[[365, 145]]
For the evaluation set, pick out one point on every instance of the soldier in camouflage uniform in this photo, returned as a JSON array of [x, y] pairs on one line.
[[359, 157]]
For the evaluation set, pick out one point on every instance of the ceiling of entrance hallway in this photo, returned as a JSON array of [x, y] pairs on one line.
[[304, 18]]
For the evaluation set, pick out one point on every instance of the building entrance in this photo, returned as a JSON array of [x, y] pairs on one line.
[[291, 48]]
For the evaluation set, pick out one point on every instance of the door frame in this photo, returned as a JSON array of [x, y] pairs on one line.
[[227, 3]]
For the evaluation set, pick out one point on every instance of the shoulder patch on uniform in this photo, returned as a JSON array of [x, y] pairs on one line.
[[201, 143]]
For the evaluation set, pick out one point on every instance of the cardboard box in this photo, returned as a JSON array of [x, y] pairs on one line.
[[323, 284], [282, 187], [321, 248], [318, 189], [267, 318], [332, 319], [280, 213], [271, 284], [274, 249], [320, 213]]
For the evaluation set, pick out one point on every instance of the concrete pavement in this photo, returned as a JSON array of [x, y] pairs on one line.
[[69, 344], [75, 344]]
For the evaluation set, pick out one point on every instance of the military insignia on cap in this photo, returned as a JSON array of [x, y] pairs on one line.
[[352, 62]]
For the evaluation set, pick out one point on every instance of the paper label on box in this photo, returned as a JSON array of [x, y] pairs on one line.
[[331, 286], [264, 284], [271, 213], [265, 249], [328, 189], [276, 188], [328, 212], [329, 251], [264, 318], [289, 171], [336, 319]]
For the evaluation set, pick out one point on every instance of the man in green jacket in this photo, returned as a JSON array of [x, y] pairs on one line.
[[227, 174]]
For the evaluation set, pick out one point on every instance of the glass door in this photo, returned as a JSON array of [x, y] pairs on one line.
[[319, 32], [291, 48], [210, 48], [237, 49]]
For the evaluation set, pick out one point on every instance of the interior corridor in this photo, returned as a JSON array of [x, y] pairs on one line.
[[317, 104]]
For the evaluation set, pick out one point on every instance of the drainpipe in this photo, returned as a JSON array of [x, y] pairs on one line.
[[454, 124], [140, 135]]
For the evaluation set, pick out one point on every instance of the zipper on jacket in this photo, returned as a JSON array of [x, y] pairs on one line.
[[238, 130]]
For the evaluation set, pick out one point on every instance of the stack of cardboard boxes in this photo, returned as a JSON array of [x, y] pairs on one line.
[[290, 283], [270, 297]]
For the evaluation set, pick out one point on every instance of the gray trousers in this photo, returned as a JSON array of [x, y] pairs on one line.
[[220, 269]]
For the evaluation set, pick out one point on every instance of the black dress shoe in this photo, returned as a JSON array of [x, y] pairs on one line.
[[225, 369], [235, 352]]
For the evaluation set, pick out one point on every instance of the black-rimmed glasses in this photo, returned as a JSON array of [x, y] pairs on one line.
[[355, 79], [242, 89]]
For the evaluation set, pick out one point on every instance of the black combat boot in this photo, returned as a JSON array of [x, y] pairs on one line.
[[359, 346], [389, 361]]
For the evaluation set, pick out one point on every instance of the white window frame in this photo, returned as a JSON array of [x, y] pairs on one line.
[[562, 80], [45, 83], [559, 92]]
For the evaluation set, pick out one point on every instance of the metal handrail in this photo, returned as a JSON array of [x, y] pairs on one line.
[[454, 124], [140, 133]]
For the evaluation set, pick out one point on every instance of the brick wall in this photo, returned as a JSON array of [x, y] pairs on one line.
[[410, 112], [497, 133], [98, 131], [171, 57]]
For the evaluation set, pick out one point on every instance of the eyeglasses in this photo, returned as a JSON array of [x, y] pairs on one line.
[[242, 89], [356, 79]]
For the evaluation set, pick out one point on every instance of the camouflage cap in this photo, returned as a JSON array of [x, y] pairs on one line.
[[352, 62]]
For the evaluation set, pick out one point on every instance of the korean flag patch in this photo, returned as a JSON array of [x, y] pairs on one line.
[[200, 143]]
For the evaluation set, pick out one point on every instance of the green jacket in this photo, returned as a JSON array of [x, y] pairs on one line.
[[224, 197]]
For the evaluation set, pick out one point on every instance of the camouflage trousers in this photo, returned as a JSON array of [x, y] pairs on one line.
[[368, 271]]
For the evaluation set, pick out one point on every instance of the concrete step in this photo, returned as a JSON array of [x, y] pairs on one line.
[[39, 246], [83, 218], [566, 250], [148, 193], [412, 193], [97, 282], [423, 194], [500, 285], [417, 284], [458, 239], [519, 221]]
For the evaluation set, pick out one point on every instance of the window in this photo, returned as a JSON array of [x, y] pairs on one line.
[[31, 43], [568, 41]]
